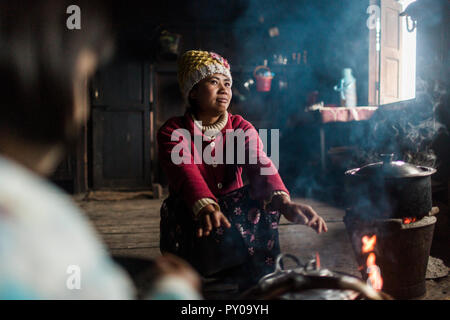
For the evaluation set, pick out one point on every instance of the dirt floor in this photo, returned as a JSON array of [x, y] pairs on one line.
[[128, 223]]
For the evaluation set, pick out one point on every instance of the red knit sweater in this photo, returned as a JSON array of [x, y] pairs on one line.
[[196, 181]]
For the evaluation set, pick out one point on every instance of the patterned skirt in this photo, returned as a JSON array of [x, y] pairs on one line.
[[251, 245]]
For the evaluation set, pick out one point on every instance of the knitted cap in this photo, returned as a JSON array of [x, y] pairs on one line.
[[195, 65]]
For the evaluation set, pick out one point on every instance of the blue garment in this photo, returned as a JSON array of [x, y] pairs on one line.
[[48, 248]]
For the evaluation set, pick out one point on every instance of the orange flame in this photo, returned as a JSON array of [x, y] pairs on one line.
[[373, 271], [368, 243], [371, 259], [317, 261], [375, 279], [408, 220]]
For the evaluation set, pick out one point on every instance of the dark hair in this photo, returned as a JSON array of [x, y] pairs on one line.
[[38, 53], [192, 103]]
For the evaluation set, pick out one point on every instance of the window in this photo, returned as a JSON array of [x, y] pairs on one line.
[[392, 55]]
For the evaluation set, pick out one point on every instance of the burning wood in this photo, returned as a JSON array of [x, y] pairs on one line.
[[409, 220], [373, 271], [396, 245]]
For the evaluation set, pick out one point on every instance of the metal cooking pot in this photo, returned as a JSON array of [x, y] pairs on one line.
[[309, 282], [390, 189]]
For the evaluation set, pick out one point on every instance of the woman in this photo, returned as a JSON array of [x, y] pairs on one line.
[[208, 198]]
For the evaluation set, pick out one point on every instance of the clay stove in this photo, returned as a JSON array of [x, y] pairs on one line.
[[402, 248]]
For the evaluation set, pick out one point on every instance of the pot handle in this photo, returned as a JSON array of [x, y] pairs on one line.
[[278, 268], [258, 68], [281, 256], [387, 157]]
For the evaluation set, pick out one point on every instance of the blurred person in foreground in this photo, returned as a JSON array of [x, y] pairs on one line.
[[44, 238]]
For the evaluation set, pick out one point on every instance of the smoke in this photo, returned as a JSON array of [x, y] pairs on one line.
[[330, 36], [407, 129]]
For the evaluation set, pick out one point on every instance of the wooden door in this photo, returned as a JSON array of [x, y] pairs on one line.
[[168, 103], [390, 54], [71, 174], [121, 126]]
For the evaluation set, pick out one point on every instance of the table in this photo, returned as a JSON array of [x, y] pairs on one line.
[[340, 114]]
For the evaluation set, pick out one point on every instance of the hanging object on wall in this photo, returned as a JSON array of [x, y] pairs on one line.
[[169, 45], [424, 12], [263, 77], [411, 17], [411, 13]]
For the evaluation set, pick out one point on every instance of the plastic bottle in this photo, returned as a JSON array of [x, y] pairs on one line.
[[347, 88]]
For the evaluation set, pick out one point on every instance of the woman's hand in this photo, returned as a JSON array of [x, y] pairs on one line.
[[208, 217], [298, 213]]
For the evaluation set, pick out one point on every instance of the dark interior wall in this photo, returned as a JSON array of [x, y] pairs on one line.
[[139, 23], [333, 33], [330, 35], [433, 74]]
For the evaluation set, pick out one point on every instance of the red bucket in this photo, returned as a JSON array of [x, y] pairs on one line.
[[263, 83]]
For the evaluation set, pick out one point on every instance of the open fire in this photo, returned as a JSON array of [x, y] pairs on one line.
[[409, 220], [373, 271], [391, 245]]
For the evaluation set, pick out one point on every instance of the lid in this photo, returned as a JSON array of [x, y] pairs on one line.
[[392, 169]]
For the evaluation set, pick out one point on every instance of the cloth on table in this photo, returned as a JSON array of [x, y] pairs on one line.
[[342, 114]]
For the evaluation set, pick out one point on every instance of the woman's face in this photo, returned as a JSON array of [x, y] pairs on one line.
[[212, 95]]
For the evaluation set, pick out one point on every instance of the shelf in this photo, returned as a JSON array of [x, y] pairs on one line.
[[172, 67], [276, 68]]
